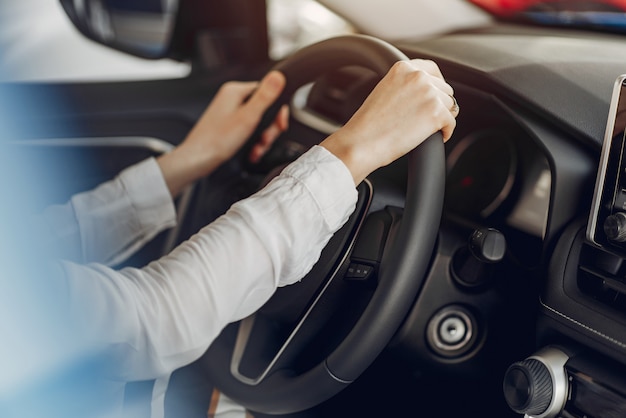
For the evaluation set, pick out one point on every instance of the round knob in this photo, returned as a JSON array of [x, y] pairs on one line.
[[528, 387], [473, 266], [615, 227], [538, 386], [487, 245]]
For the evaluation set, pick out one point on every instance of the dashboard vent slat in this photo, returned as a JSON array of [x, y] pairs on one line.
[[602, 276], [609, 282]]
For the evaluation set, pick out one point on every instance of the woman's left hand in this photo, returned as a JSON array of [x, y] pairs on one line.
[[223, 128]]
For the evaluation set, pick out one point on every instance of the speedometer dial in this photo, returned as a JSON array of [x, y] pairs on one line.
[[481, 174]]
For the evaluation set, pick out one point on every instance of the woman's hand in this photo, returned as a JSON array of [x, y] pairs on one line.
[[410, 103], [222, 130]]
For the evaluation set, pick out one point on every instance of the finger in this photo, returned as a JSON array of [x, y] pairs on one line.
[[442, 85], [268, 91], [428, 72], [267, 139], [455, 109], [282, 119], [256, 153], [448, 128], [427, 65], [232, 94], [269, 136], [450, 103]]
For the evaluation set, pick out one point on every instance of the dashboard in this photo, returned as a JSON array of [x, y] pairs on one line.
[[550, 97], [521, 169]]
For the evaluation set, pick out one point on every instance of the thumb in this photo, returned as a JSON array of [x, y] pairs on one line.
[[268, 91]]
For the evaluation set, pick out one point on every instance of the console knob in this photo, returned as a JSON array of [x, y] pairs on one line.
[[488, 245], [474, 265], [537, 386], [615, 227], [528, 387]]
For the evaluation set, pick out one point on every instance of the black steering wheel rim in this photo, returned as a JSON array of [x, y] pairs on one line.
[[401, 275]]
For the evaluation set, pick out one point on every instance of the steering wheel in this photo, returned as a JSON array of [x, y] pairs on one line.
[[238, 362]]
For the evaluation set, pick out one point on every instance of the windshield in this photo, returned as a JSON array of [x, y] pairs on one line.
[[607, 15]]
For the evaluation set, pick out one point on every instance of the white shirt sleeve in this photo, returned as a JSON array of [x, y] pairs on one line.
[[166, 314], [111, 222]]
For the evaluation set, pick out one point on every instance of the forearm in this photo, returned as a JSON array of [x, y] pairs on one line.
[[171, 310], [183, 166], [109, 223]]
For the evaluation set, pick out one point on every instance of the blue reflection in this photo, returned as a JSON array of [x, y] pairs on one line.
[[44, 370], [582, 19]]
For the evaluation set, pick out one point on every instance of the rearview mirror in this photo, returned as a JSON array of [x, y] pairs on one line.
[[139, 27]]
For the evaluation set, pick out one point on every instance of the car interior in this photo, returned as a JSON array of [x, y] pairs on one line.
[[483, 277]]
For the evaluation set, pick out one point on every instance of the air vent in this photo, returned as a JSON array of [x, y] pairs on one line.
[[602, 276]]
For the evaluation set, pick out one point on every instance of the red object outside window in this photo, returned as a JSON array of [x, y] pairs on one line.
[[509, 8]]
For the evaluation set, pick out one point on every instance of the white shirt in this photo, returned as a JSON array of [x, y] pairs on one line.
[[165, 315]]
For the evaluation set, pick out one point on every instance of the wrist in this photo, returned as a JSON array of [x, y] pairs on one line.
[[351, 154], [182, 166]]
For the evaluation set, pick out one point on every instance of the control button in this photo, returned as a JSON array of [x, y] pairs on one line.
[[615, 227], [358, 271]]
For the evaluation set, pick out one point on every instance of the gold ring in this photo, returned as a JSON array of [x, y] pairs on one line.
[[455, 106]]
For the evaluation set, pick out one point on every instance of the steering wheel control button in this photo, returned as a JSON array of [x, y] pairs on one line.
[[537, 386], [615, 227], [451, 332], [359, 272]]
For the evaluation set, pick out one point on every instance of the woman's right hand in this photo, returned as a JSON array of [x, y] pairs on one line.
[[410, 103]]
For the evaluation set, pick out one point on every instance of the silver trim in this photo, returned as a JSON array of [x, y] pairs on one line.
[[604, 159], [333, 376], [554, 360], [155, 145], [246, 325], [305, 116]]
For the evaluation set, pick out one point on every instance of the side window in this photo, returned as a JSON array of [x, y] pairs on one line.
[[296, 23], [39, 43]]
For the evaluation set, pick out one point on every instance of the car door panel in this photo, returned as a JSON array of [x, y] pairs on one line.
[[86, 133]]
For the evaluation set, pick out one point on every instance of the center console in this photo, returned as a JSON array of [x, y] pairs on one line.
[[581, 369]]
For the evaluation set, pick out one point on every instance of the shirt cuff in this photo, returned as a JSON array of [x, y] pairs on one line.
[[330, 183], [121, 215], [149, 195]]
